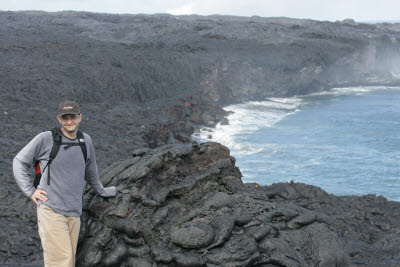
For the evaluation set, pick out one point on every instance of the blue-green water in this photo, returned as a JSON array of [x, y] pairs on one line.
[[346, 141]]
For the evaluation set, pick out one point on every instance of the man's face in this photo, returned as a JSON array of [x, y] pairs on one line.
[[70, 122]]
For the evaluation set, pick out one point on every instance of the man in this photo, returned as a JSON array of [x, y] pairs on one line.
[[59, 194]]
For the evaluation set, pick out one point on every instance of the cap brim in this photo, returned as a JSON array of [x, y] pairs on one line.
[[68, 113]]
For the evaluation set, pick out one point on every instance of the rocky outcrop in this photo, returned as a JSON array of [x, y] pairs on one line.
[[185, 205], [369, 225]]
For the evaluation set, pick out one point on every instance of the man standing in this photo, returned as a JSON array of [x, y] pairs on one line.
[[59, 193]]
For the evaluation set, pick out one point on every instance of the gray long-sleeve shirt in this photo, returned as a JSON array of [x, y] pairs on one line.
[[67, 175]]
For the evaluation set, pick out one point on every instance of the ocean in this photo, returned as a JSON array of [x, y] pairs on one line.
[[345, 140]]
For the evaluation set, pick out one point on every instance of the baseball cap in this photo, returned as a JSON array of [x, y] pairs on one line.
[[68, 107]]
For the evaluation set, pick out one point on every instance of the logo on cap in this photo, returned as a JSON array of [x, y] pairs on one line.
[[67, 108]]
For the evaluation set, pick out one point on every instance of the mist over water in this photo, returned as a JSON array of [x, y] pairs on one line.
[[346, 141]]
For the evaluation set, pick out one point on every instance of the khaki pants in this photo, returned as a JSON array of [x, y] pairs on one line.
[[59, 236]]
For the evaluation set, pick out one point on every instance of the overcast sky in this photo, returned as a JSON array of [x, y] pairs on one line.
[[359, 10]]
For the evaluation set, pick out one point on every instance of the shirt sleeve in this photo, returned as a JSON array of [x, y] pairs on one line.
[[91, 173], [24, 160]]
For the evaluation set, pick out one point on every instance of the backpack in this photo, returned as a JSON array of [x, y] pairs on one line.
[[57, 143]]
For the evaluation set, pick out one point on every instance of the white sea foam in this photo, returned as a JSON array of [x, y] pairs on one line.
[[352, 90], [251, 116], [247, 118]]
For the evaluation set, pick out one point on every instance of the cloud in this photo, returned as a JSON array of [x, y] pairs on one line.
[[183, 10]]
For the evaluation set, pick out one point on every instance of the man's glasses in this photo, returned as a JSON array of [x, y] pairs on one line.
[[68, 117]]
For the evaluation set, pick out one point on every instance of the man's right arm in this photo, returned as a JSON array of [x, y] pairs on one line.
[[22, 163]]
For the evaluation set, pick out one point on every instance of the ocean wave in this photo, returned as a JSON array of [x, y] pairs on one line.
[[352, 90], [247, 118], [270, 104]]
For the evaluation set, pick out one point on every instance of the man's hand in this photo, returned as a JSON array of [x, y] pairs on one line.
[[38, 195], [109, 192]]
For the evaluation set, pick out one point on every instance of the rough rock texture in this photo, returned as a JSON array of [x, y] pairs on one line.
[[369, 225], [185, 205]]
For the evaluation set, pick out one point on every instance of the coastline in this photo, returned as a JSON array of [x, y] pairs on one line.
[[307, 164], [151, 89]]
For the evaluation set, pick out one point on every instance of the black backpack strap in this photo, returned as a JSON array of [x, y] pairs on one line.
[[57, 138], [82, 144]]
